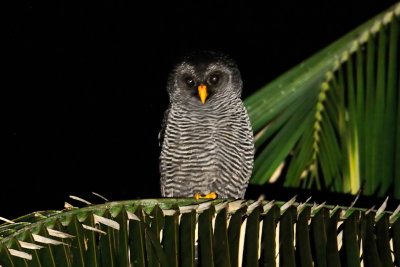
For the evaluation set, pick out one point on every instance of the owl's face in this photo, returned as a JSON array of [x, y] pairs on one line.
[[204, 78]]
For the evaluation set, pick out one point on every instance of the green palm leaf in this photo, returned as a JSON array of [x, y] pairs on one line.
[[187, 232], [330, 122]]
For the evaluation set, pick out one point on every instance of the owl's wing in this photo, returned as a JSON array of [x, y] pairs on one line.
[[163, 127]]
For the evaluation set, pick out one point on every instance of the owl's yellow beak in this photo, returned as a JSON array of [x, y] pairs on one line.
[[202, 92]]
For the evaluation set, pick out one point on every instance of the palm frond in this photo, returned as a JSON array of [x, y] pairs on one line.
[[331, 121], [186, 232]]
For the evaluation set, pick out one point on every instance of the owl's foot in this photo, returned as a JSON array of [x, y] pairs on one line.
[[211, 195]]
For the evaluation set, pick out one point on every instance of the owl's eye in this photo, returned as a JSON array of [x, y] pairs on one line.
[[213, 79], [190, 81]]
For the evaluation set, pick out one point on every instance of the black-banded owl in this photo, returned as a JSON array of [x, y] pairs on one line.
[[206, 136]]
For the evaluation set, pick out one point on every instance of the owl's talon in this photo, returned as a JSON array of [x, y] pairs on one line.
[[211, 195]]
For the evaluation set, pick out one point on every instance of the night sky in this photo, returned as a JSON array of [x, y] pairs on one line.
[[85, 86]]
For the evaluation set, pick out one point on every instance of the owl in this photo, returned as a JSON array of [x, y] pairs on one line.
[[206, 137]]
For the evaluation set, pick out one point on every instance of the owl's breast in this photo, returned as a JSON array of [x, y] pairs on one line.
[[203, 142]]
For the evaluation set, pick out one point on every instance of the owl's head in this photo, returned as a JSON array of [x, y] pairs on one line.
[[204, 77]]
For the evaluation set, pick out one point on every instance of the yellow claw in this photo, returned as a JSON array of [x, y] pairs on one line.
[[211, 195]]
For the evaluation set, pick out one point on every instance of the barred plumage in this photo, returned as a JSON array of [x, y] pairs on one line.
[[207, 147]]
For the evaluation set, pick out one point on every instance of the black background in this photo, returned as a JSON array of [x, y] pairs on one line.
[[85, 86]]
